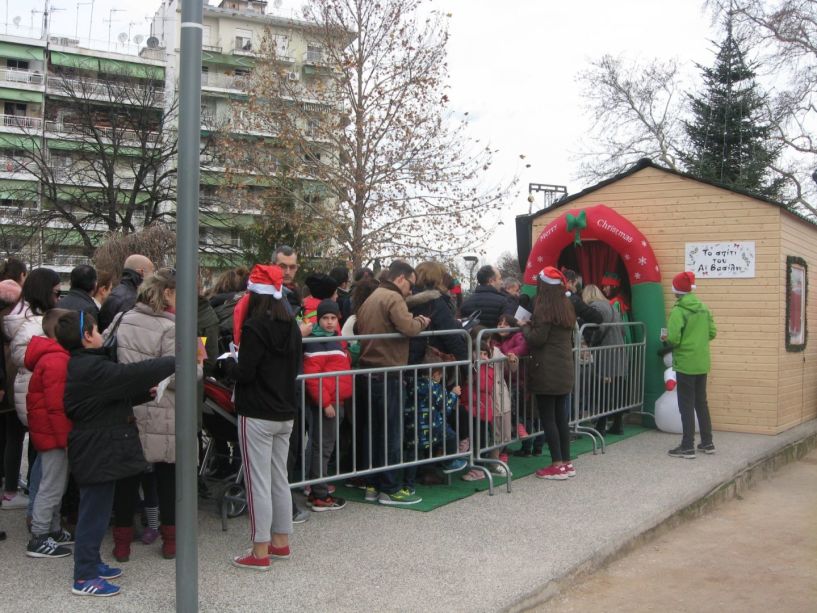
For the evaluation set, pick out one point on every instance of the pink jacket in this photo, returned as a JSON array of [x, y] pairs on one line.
[[515, 344]]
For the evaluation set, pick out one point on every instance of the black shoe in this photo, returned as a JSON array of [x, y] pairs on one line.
[[680, 452], [522, 453], [45, 547], [707, 449]]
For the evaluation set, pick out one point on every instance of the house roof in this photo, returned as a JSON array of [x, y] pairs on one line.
[[648, 163]]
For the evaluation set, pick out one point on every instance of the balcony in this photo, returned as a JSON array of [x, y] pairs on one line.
[[22, 123], [21, 77], [123, 136], [112, 91], [243, 46], [67, 260], [211, 48], [314, 58], [223, 81]]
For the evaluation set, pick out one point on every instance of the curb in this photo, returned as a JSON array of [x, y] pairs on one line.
[[740, 482]]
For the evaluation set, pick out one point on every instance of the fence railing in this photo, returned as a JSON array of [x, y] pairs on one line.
[[401, 417]]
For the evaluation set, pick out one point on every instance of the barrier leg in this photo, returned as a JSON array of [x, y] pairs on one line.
[[589, 432]]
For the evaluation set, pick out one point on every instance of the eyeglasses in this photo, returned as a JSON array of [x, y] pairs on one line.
[[292, 267]]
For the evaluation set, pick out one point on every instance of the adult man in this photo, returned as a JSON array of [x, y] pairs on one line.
[[80, 296], [287, 260], [487, 299], [584, 313], [385, 311], [689, 331], [122, 298]]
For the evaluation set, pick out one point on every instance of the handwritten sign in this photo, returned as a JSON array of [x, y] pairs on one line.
[[721, 260]]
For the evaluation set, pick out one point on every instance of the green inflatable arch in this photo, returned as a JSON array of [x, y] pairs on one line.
[[602, 223]]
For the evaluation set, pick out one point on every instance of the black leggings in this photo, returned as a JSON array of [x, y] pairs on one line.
[[15, 432], [166, 488], [554, 417], [125, 497]]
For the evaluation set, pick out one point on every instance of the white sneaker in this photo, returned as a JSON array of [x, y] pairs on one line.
[[17, 501], [498, 469]]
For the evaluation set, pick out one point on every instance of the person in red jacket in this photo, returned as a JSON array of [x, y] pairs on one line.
[[48, 429], [325, 397]]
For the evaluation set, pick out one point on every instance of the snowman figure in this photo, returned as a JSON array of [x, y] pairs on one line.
[[667, 413]]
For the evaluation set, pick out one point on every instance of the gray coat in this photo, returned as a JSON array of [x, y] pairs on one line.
[[145, 334], [609, 363]]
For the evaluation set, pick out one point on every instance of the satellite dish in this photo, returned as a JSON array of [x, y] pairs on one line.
[[152, 42], [138, 39], [277, 3], [122, 37], [17, 21]]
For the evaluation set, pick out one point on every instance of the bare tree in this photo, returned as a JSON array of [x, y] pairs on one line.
[[508, 266], [156, 242], [636, 111], [365, 141], [104, 160]]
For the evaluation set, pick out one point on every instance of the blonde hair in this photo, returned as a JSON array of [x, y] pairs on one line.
[[591, 293], [430, 276], [152, 290]]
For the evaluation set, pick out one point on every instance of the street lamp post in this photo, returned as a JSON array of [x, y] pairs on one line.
[[471, 260]]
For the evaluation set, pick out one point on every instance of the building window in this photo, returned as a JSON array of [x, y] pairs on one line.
[[15, 108], [243, 39], [17, 64], [314, 53], [796, 301]]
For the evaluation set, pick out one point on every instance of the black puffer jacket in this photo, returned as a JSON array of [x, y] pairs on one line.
[[99, 398], [121, 299], [436, 307], [78, 300], [490, 302]]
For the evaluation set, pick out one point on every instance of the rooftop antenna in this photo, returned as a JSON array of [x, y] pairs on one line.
[[138, 39], [110, 21], [76, 25], [46, 12], [31, 25], [130, 26]]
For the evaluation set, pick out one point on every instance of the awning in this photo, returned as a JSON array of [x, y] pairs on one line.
[[21, 52], [19, 95], [100, 64], [18, 190], [19, 141], [222, 59]]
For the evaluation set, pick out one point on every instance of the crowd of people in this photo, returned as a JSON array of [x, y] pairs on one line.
[[89, 374]]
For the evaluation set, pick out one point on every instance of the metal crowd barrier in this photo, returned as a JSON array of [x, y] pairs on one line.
[[368, 434], [609, 377]]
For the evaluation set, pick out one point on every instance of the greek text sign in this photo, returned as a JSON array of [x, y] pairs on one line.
[[721, 260]]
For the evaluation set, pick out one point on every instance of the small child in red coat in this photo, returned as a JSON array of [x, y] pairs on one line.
[[48, 429], [325, 397]]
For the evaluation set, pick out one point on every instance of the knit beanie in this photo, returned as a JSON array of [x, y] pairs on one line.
[[321, 286], [326, 307]]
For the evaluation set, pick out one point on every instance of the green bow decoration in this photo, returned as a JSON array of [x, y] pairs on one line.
[[577, 223]]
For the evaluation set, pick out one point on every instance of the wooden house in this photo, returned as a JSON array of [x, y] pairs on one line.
[[754, 261]]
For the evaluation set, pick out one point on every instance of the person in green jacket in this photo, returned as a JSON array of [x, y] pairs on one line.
[[689, 331]]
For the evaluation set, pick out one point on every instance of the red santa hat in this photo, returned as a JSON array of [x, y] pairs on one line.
[[611, 279], [683, 283], [266, 279], [552, 276]]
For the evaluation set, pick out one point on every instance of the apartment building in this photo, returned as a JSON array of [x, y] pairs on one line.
[[59, 108]]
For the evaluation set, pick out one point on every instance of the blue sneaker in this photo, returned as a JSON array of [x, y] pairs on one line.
[[94, 587], [108, 572], [454, 466]]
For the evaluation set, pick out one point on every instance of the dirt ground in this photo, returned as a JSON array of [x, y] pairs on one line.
[[757, 553]]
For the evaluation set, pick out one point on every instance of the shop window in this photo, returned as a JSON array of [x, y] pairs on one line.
[[796, 301]]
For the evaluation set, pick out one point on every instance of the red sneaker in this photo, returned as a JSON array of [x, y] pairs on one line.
[[279, 553], [521, 432], [503, 457], [557, 473], [569, 470], [248, 560]]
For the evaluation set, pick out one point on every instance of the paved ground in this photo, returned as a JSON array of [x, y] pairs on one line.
[[758, 553], [480, 554]]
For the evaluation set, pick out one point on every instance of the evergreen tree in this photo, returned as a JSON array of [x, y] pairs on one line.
[[729, 141]]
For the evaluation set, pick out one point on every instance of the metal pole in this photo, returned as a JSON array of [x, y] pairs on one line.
[[187, 232]]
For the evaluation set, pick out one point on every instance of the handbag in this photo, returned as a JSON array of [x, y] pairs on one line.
[[110, 345]]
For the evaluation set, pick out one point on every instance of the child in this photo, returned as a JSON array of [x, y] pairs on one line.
[[104, 443], [429, 416], [326, 396], [48, 429]]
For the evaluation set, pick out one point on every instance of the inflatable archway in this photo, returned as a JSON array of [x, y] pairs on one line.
[[602, 223]]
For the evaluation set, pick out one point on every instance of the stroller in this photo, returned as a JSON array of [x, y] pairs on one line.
[[221, 425]]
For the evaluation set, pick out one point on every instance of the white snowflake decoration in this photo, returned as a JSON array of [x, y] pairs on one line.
[[643, 243], [637, 275], [627, 256], [642, 261], [540, 259]]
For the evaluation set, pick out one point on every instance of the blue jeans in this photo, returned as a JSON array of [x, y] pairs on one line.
[[95, 504], [386, 409]]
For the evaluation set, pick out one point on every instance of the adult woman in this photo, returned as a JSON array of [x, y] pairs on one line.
[[265, 401], [40, 291], [549, 335], [609, 365], [149, 331]]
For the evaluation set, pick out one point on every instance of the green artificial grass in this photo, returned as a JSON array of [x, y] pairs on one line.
[[435, 496]]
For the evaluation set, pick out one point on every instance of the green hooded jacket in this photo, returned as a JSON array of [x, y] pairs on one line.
[[689, 330]]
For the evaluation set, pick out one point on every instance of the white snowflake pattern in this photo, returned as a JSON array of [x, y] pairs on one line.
[[642, 261], [627, 256], [643, 243], [656, 269], [540, 259], [529, 265], [637, 275]]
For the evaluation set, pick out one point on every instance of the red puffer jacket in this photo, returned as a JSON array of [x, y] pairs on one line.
[[47, 424], [327, 357]]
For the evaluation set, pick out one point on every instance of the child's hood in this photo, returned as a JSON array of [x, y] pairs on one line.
[[39, 347]]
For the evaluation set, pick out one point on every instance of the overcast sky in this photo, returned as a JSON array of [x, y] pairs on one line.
[[513, 66]]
